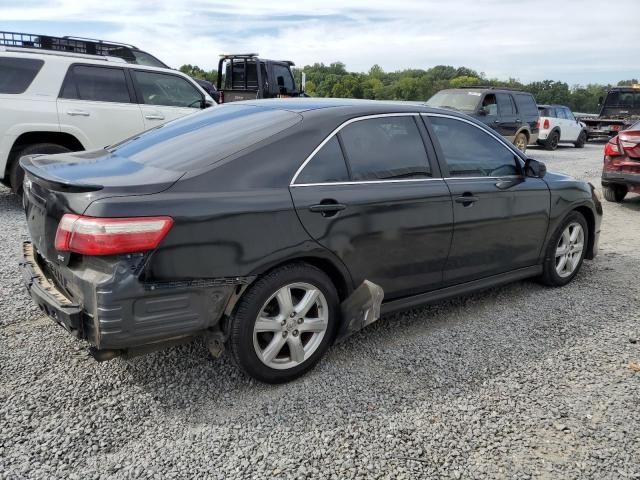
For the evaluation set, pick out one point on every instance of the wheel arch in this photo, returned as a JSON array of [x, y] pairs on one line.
[[63, 139], [589, 216]]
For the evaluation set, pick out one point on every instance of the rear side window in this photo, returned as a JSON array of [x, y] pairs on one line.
[[505, 104], [560, 113], [201, 139], [168, 90], [99, 84], [327, 165], [385, 149], [526, 104], [471, 152], [16, 74]]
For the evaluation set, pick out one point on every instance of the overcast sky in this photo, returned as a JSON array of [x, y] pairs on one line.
[[575, 41]]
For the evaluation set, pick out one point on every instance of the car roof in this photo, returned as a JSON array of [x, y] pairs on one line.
[[301, 105], [486, 90]]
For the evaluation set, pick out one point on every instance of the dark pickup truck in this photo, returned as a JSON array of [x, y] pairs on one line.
[[248, 77], [619, 110]]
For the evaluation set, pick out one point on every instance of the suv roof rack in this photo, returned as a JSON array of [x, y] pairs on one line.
[[68, 44], [492, 87]]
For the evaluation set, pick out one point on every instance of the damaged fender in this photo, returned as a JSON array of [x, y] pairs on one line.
[[360, 309]]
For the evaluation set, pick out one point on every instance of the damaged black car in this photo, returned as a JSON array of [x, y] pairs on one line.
[[274, 228]]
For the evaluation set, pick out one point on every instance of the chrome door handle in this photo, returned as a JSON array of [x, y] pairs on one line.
[[78, 113], [154, 116]]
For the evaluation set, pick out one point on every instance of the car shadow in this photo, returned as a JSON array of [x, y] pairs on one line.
[[465, 341]]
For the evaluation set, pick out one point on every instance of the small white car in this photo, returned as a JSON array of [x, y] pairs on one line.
[[55, 102], [557, 125]]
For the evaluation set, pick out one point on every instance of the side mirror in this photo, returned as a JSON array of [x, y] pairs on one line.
[[534, 168], [483, 111], [206, 103]]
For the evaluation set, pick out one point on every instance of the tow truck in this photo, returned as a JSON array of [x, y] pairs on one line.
[[619, 110], [249, 77]]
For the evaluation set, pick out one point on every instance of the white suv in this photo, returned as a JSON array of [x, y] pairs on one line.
[[558, 125], [55, 102]]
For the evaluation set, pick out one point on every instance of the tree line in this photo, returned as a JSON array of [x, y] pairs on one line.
[[334, 80]]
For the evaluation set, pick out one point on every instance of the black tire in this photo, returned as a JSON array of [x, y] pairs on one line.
[[549, 275], [16, 175], [582, 139], [241, 338], [615, 193], [551, 143], [520, 141]]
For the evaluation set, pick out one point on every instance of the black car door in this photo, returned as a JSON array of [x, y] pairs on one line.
[[500, 216], [371, 195], [508, 119]]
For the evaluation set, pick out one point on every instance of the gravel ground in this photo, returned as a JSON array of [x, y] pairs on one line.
[[517, 382]]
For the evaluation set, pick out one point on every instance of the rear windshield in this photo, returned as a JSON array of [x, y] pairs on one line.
[[452, 100], [16, 74], [201, 139]]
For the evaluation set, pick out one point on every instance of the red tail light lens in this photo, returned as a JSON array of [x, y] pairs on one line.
[[612, 149], [630, 141], [221, 97], [546, 123], [110, 236]]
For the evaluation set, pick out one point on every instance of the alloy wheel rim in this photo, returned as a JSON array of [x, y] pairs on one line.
[[554, 141], [290, 326], [569, 249]]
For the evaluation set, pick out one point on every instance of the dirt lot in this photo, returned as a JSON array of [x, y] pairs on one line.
[[517, 382]]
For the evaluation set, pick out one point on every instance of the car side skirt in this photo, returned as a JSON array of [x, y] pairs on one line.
[[462, 289]]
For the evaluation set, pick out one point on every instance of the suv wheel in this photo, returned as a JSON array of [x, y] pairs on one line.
[[552, 141], [582, 139], [284, 323], [521, 141], [16, 174], [566, 251], [615, 193]]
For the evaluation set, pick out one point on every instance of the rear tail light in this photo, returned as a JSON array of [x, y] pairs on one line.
[[538, 123], [546, 123], [221, 97], [612, 148], [110, 236]]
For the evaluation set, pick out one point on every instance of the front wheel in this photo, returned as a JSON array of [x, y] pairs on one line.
[[566, 251], [284, 323]]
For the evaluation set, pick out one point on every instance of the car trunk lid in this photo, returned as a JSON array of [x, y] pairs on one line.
[[69, 183]]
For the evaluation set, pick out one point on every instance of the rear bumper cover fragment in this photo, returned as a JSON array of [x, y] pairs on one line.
[[360, 309]]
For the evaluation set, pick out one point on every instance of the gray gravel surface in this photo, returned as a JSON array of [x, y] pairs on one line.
[[516, 382]]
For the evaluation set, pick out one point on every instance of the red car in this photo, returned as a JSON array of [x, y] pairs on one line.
[[621, 171]]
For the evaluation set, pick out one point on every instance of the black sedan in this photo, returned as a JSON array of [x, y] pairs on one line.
[[277, 227]]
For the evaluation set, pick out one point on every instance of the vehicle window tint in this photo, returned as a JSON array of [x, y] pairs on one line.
[[168, 90], [206, 137], [552, 113], [101, 84], [560, 113], [283, 77], [16, 74], [472, 152], [385, 148], [569, 114], [505, 104], [526, 104], [327, 165], [544, 112]]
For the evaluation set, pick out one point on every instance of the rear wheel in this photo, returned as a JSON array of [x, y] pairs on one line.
[[615, 193], [16, 174], [284, 323], [566, 251], [552, 141], [521, 141], [582, 139]]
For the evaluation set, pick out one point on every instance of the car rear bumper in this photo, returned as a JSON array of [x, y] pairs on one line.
[[117, 311], [629, 180]]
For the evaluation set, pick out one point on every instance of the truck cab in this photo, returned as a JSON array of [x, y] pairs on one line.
[[248, 77], [619, 110]]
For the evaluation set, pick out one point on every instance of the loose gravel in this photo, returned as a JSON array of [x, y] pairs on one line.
[[516, 382]]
